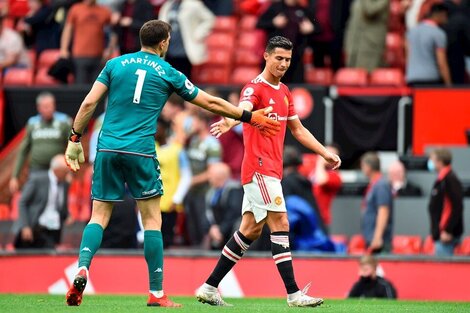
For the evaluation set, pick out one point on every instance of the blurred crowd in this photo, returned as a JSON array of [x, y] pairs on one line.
[[427, 40]]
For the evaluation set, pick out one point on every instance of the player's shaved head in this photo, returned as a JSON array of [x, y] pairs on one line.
[[278, 42], [154, 32]]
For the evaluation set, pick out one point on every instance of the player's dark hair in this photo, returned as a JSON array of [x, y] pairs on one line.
[[153, 32], [372, 159], [278, 42], [438, 8]]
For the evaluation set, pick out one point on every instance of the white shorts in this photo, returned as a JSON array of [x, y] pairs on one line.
[[263, 194]]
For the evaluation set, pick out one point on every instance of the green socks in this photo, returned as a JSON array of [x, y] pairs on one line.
[[91, 241], [153, 251]]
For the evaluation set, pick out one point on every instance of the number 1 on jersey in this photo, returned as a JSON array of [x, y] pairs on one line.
[[139, 85]]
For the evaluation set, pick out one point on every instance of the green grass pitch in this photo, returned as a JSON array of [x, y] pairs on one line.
[[135, 304]]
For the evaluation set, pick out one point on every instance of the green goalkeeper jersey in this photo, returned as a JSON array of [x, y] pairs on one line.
[[139, 85]]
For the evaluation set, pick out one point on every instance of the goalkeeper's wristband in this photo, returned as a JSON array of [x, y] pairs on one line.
[[246, 116], [74, 136]]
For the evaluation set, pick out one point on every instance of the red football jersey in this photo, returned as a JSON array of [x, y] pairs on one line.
[[264, 154]]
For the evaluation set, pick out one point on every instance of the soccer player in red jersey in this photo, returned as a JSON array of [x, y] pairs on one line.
[[263, 201]]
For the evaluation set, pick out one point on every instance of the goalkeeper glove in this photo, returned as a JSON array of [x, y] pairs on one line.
[[74, 152], [258, 119]]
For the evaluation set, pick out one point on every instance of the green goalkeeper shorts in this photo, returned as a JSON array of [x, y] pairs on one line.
[[113, 170]]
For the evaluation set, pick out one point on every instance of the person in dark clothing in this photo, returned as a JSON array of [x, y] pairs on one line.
[[39, 26], [121, 232], [289, 19], [328, 41], [293, 183], [223, 202], [458, 40], [133, 14], [446, 204], [369, 284]]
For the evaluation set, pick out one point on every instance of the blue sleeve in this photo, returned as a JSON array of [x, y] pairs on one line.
[[384, 195], [105, 74], [183, 160], [181, 84]]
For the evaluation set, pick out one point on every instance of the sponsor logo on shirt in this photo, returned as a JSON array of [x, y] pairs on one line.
[[276, 117]]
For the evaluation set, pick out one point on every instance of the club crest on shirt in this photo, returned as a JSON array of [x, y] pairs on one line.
[[286, 101], [278, 200]]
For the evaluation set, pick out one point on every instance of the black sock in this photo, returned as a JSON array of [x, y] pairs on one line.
[[283, 259], [231, 253]]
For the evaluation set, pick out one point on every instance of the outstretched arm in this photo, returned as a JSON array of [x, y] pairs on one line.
[[219, 106], [305, 137], [226, 123]]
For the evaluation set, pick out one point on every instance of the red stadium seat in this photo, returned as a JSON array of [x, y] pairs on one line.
[[18, 77], [18, 8], [242, 75], [428, 246], [247, 57], [219, 57], [339, 239], [351, 77], [307, 57], [248, 22], [48, 57], [357, 245], [387, 77], [43, 79], [319, 76], [32, 57], [395, 51], [225, 24], [4, 212], [464, 247], [406, 244], [211, 74], [254, 40], [221, 41], [396, 21]]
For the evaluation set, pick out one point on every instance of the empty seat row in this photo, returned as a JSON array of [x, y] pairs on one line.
[[355, 77], [402, 244]]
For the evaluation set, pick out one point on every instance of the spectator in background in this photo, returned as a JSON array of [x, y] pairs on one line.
[[326, 184], [289, 19], [377, 213], [232, 143], [458, 40], [223, 202], [366, 32], [84, 30], [43, 207], [46, 136], [12, 50], [132, 15], [401, 187], [294, 183], [220, 7], [446, 204], [191, 22], [39, 25], [203, 151], [331, 17], [426, 50], [369, 284], [176, 175]]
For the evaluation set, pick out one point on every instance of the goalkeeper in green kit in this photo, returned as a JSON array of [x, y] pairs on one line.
[[137, 86]]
